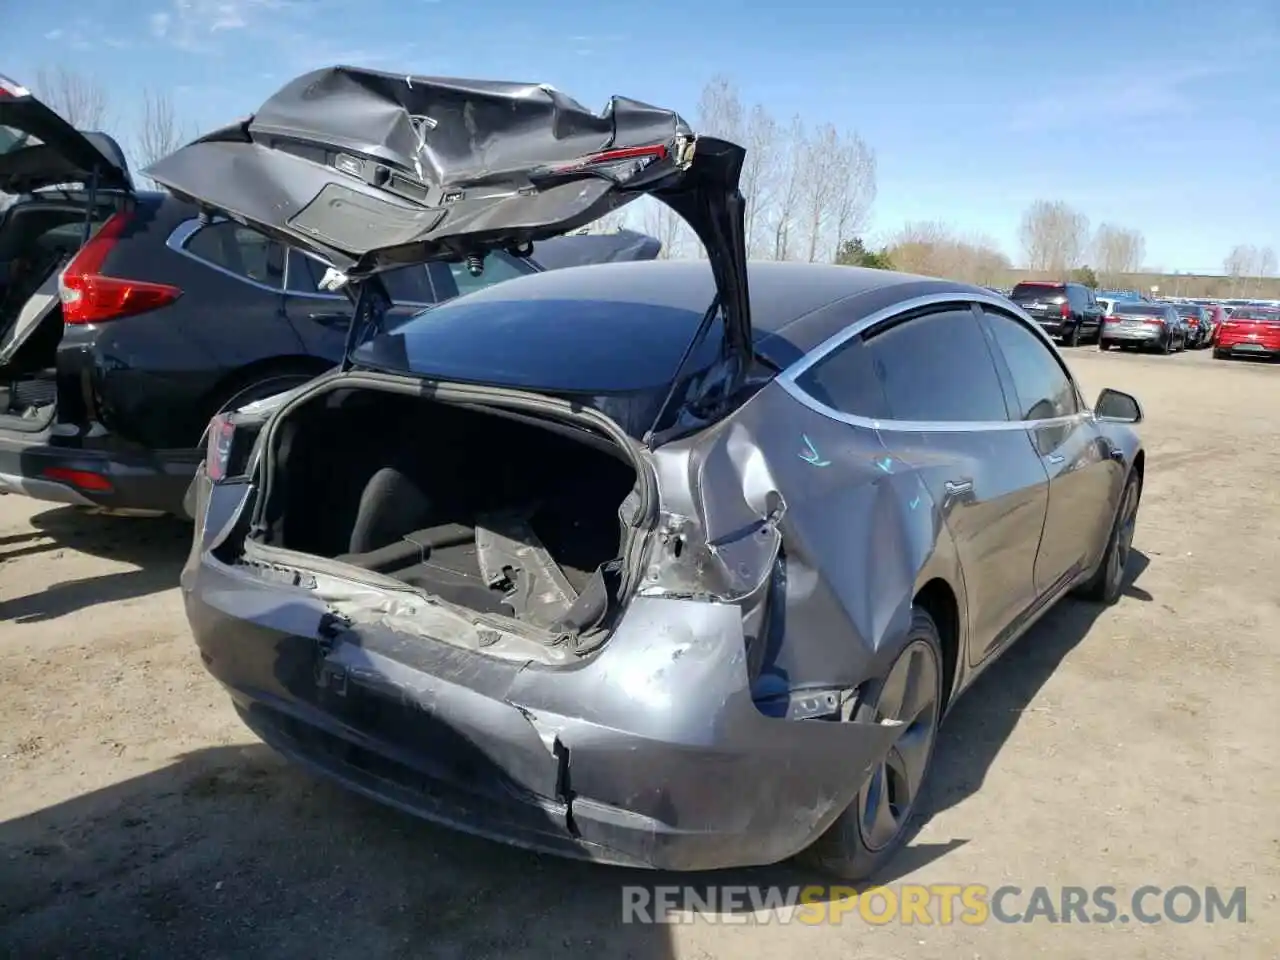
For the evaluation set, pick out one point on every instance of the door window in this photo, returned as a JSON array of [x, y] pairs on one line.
[[1045, 389], [240, 251], [938, 367]]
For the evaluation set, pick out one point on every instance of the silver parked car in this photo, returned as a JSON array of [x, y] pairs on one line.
[[672, 564]]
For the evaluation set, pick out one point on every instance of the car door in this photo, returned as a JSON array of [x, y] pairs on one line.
[[321, 318], [1084, 478], [1093, 313], [948, 419]]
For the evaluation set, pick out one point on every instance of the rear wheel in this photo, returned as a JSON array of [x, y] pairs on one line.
[[1103, 344], [878, 822], [1108, 580], [1073, 338]]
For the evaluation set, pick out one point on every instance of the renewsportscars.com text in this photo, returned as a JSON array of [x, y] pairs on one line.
[[936, 904]]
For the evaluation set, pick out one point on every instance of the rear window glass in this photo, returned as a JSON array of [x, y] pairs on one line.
[[1141, 309], [1255, 313], [1037, 291]]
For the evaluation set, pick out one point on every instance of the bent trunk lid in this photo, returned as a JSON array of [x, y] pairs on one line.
[[38, 148], [373, 170]]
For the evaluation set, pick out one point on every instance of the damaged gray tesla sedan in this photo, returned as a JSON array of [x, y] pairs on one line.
[[676, 564]]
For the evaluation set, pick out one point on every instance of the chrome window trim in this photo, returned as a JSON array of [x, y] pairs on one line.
[[788, 377], [182, 234]]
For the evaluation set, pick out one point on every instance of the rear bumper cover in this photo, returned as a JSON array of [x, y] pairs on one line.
[[651, 754], [32, 467]]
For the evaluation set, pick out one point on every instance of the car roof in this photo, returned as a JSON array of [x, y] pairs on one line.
[[623, 327], [786, 296]]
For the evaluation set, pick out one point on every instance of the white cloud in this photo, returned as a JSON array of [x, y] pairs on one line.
[[53, 35], [160, 24]]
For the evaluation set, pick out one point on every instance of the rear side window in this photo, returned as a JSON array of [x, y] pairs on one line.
[[937, 367], [240, 251], [846, 380], [1045, 391]]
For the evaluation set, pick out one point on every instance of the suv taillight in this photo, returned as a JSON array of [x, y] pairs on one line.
[[1065, 310], [218, 447], [90, 297]]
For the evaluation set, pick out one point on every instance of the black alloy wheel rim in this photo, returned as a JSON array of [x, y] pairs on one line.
[[1123, 544], [909, 694]]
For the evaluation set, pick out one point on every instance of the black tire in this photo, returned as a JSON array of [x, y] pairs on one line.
[[1167, 347], [1219, 354], [1073, 338], [1103, 344], [1107, 582], [850, 849]]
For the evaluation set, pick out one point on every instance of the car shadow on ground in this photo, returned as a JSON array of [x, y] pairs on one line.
[[155, 546], [233, 851], [985, 717]]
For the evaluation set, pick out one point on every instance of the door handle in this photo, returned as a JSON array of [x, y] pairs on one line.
[[958, 486], [1056, 458]]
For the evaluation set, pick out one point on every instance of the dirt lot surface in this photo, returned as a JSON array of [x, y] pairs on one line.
[[1127, 746]]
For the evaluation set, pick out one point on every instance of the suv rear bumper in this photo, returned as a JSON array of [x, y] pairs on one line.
[[32, 467]]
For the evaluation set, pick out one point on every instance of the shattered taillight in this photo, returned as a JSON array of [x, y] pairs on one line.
[[222, 431]]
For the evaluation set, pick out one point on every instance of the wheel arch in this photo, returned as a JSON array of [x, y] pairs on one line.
[[939, 600], [242, 378]]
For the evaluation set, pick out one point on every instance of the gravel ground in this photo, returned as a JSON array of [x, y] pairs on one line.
[[1127, 746]]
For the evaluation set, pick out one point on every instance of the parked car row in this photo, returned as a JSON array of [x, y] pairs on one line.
[[1072, 313], [524, 562]]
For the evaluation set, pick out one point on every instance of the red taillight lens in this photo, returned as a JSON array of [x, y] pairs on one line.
[[218, 447], [1110, 319], [1065, 310], [89, 297], [83, 479]]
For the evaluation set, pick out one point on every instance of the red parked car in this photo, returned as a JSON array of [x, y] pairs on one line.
[[1249, 332]]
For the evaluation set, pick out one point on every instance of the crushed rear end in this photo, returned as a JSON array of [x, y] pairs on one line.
[[516, 647], [491, 607]]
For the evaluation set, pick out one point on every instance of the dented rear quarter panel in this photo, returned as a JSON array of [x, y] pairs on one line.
[[856, 536]]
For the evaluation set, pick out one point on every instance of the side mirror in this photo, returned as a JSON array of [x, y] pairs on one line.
[[1117, 406]]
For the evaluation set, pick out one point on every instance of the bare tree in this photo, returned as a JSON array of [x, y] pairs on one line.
[[760, 171], [818, 162], [158, 133], [720, 111], [665, 225], [1054, 237], [790, 192], [932, 249], [855, 189], [1118, 252], [1239, 264], [80, 101]]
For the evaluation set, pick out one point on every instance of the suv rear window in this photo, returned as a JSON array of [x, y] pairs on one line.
[[1024, 292], [1141, 309], [1255, 313]]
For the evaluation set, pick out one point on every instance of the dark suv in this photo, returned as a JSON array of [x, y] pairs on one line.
[[1068, 312], [127, 320]]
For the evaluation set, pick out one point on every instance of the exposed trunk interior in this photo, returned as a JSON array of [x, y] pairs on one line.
[[501, 514], [37, 239]]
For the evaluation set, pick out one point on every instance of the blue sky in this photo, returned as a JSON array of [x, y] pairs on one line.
[[1161, 116]]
